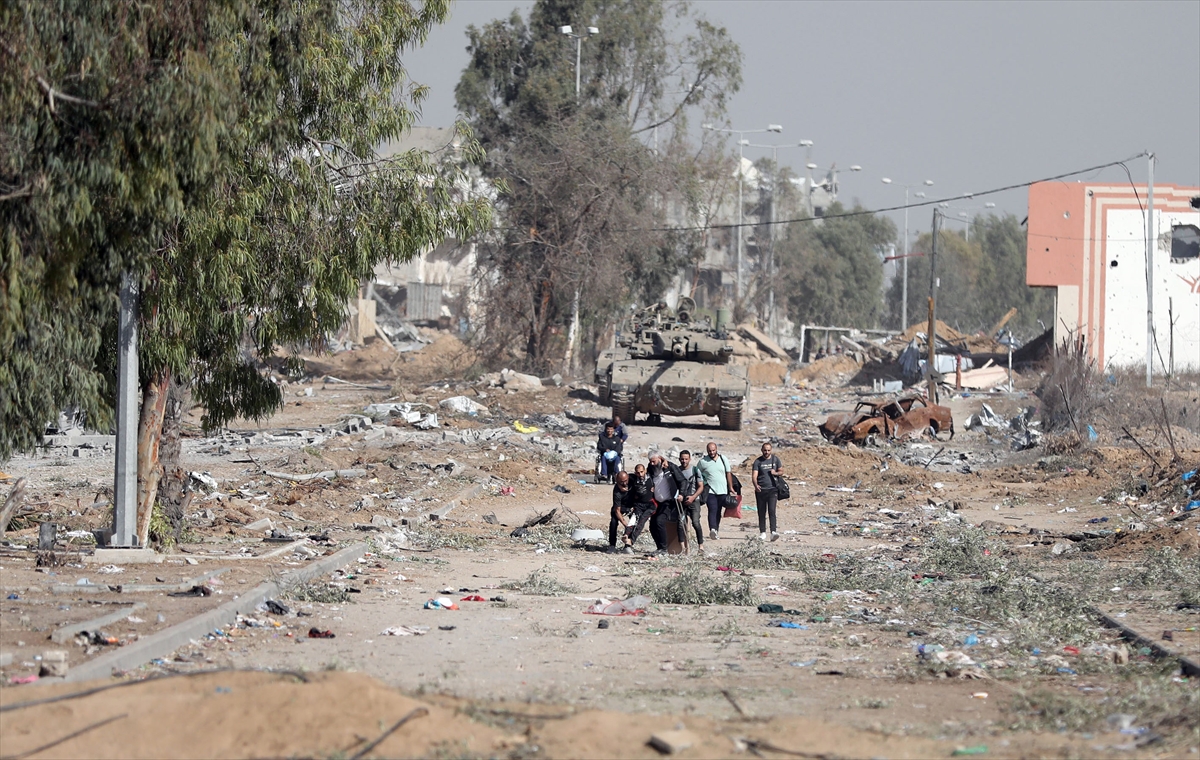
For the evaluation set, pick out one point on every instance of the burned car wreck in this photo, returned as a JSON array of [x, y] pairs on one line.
[[888, 418]]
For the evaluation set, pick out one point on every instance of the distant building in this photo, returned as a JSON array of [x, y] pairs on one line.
[[1088, 241], [440, 284]]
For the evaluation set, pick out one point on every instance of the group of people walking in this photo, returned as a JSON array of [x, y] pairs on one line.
[[666, 495]]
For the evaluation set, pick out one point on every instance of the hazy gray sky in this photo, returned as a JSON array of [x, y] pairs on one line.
[[973, 95]]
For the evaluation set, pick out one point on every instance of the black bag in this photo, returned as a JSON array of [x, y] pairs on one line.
[[782, 490]]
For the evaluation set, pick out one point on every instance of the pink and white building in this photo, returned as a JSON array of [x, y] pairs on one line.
[[1088, 241]]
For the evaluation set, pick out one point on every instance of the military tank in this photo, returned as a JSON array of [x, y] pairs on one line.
[[668, 361]]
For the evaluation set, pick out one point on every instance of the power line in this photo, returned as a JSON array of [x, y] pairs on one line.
[[870, 212]]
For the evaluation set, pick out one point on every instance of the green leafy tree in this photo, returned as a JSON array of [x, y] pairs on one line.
[[980, 279], [584, 188], [832, 269], [293, 209]]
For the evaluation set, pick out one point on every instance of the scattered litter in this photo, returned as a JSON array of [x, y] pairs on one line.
[[635, 605], [473, 598], [405, 630], [441, 603], [110, 569], [804, 664], [18, 680], [317, 633]]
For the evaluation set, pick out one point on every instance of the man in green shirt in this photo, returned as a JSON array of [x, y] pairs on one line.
[[718, 482]]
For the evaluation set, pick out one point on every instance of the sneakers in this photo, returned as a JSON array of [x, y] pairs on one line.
[[774, 535], [712, 533], [611, 549], [763, 536], [629, 550]]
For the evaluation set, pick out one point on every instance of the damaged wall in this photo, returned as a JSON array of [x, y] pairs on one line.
[[1088, 242]]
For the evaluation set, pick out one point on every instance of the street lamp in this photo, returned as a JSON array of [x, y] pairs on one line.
[[567, 30], [742, 143], [964, 217], [904, 260]]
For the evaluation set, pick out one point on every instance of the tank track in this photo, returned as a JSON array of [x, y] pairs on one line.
[[730, 413], [622, 405]]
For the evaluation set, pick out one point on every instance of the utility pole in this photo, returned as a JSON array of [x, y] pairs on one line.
[[125, 475], [1150, 272], [931, 334]]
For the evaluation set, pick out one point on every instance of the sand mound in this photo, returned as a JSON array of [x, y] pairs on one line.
[[767, 373], [832, 370], [337, 714], [446, 358]]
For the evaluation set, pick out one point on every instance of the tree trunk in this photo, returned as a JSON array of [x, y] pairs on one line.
[[150, 428], [174, 477]]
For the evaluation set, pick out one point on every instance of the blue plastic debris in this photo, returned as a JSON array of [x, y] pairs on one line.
[[12, 597], [1067, 671], [1192, 505], [1092, 436], [971, 640]]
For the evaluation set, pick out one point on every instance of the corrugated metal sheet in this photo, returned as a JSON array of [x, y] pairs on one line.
[[424, 302]]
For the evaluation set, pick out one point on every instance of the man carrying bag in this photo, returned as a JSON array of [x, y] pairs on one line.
[[718, 487]]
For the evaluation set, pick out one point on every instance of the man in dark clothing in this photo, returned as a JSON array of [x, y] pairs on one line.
[[609, 441], [619, 426], [641, 498], [621, 508], [766, 468]]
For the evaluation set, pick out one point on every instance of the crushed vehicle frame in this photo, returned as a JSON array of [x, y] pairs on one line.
[[888, 417]]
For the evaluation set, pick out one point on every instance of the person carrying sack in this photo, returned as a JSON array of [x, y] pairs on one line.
[[766, 494], [718, 487]]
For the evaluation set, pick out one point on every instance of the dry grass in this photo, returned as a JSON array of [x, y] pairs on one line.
[[694, 585]]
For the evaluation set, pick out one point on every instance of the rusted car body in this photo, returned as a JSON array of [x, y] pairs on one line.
[[889, 418]]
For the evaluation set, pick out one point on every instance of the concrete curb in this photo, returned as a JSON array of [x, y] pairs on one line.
[[470, 492], [67, 632], [167, 641]]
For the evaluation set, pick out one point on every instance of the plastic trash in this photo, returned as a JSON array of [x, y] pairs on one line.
[[827, 520], [587, 534], [1066, 671], [317, 633], [521, 427], [971, 640], [18, 680], [473, 598], [1092, 435], [12, 597], [1192, 505], [804, 664], [634, 605], [789, 624], [1189, 475], [441, 603], [980, 749], [405, 630]]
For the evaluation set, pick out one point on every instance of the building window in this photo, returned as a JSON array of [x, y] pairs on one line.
[[1185, 243]]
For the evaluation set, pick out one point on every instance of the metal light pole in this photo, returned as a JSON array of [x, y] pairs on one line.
[[567, 30], [964, 217], [569, 361], [904, 260], [741, 144], [1150, 235]]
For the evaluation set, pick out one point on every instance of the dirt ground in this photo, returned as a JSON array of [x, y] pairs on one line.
[[938, 596]]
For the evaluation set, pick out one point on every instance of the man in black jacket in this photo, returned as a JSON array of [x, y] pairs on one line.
[[621, 508]]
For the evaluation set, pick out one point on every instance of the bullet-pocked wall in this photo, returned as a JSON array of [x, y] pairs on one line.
[[1089, 242]]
